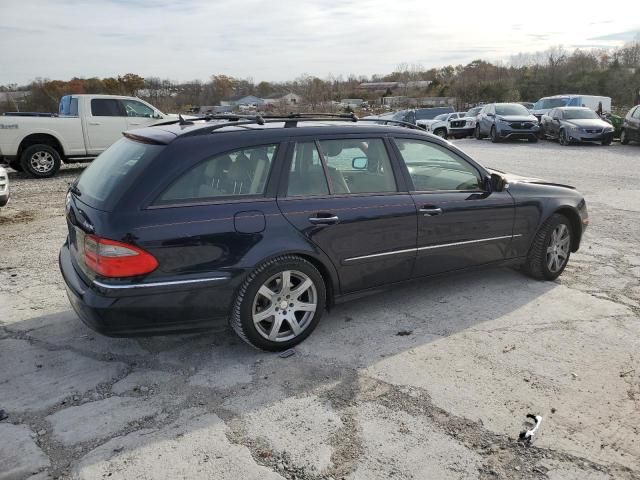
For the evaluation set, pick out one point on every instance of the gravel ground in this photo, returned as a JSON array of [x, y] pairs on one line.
[[445, 399]]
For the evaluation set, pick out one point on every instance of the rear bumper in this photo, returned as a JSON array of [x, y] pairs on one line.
[[113, 310]]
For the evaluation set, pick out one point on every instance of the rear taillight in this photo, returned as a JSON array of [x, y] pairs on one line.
[[109, 258]]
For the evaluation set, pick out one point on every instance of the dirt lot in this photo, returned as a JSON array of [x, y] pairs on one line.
[[431, 381]]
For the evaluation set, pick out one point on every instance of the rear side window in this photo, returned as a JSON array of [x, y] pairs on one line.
[[105, 180], [107, 107], [236, 173], [68, 106]]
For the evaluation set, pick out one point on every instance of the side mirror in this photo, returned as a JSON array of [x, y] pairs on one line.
[[360, 163], [496, 182]]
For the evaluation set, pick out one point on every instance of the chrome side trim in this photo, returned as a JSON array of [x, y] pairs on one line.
[[467, 242], [394, 252], [110, 286], [431, 247]]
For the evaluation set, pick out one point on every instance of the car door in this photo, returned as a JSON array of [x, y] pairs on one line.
[[461, 222], [105, 124], [343, 195], [486, 120], [553, 122], [138, 114]]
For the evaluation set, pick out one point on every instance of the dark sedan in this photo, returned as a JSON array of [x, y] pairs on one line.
[[506, 121], [576, 125], [268, 222], [631, 127]]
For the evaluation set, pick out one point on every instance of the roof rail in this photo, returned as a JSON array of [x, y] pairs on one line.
[[290, 120]]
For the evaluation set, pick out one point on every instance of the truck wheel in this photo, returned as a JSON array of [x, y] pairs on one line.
[[441, 132], [279, 304], [40, 161]]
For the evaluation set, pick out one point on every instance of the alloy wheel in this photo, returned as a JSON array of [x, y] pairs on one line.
[[558, 249], [42, 162], [284, 306]]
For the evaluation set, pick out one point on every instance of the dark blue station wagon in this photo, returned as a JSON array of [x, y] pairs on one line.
[[266, 223]]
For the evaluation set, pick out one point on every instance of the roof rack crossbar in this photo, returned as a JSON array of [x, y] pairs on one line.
[[290, 120]]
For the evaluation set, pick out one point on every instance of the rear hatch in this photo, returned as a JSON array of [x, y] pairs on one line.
[[92, 199]]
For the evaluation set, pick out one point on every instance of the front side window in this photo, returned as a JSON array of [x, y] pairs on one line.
[[107, 107], [240, 172], [134, 108], [433, 168], [358, 166]]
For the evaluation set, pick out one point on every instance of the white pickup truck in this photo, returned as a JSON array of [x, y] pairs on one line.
[[84, 127]]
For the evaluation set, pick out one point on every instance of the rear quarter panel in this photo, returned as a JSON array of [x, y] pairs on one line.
[[67, 130]]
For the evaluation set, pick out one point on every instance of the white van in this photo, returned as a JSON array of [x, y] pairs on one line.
[[545, 104]]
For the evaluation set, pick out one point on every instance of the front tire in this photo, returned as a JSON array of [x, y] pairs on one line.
[[563, 139], [494, 135], [550, 250], [624, 139], [476, 133], [441, 132], [532, 139], [279, 304], [40, 161]]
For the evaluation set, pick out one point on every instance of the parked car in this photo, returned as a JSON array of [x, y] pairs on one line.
[[4, 187], [630, 131], [465, 125], [575, 125], [267, 223], [527, 105], [85, 126], [594, 102], [412, 116], [506, 121], [440, 125]]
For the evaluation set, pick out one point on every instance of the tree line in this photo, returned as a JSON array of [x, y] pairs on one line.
[[524, 77]]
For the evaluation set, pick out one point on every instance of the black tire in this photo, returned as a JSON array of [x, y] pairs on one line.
[[440, 132], [476, 133], [532, 139], [624, 138], [15, 164], [241, 319], [49, 155], [607, 141], [562, 138], [494, 135], [536, 265]]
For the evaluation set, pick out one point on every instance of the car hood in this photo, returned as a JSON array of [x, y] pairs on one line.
[[588, 123], [512, 178], [518, 118]]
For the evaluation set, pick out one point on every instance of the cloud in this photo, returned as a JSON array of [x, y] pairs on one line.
[[625, 36], [265, 40]]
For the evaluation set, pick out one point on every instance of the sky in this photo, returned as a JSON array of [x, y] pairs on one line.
[[278, 40]]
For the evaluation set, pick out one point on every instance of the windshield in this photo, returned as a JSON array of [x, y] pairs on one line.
[[578, 114], [511, 109], [549, 103], [442, 117], [104, 181]]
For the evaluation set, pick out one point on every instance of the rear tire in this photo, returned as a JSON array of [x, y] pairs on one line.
[[272, 310], [40, 161], [624, 139], [550, 250]]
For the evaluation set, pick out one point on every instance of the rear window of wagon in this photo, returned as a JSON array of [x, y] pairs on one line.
[[108, 177]]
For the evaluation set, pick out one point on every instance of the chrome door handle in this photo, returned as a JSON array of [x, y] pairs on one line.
[[429, 212], [324, 220]]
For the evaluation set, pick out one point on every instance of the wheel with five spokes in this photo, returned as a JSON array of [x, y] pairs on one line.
[[551, 248], [279, 304]]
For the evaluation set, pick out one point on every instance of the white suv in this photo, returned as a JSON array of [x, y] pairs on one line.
[[439, 125]]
